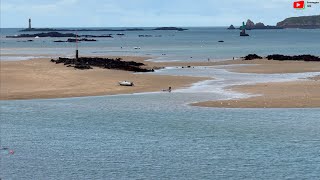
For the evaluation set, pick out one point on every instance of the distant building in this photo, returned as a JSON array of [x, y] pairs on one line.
[[29, 23]]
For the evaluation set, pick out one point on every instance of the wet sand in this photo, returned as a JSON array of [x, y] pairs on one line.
[[40, 78], [297, 94]]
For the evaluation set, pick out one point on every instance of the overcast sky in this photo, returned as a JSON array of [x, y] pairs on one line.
[[137, 13]]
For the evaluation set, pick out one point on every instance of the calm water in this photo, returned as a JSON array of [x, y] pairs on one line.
[[153, 137], [198, 43], [158, 136]]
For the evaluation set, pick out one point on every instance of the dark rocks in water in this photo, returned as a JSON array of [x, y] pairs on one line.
[[86, 63], [49, 34], [220, 41], [73, 40], [120, 34], [252, 56], [243, 33], [30, 40], [305, 57], [170, 29], [93, 36], [56, 34], [79, 30], [83, 39], [59, 41], [231, 27], [145, 35]]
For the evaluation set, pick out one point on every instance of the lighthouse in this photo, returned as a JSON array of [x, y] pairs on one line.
[[29, 23]]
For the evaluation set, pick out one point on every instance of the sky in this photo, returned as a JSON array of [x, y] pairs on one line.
[[146, 13]]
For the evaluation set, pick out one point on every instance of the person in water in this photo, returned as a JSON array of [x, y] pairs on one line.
[[169, 89]]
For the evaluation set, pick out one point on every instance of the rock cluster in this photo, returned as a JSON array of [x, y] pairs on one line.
[[55, 34], [231, 27], [170, 29], [279, 57], [86, 63], [305, 57], [252, 56]]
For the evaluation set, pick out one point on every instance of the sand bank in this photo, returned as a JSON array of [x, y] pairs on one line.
[[39, 78], [297, 94]]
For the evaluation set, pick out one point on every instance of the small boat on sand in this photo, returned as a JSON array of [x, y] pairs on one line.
[[126, 83]]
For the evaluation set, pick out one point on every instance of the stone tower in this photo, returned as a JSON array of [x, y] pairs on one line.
[[29, 23]]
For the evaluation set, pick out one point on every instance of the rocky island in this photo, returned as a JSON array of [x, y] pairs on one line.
[[231, 27], [250, 25], [170, 29], [303, 22], [55, 34], [79, 30]]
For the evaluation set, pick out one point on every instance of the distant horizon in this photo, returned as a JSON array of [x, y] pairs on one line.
[[144, 13]]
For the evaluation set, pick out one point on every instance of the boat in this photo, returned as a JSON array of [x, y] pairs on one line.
[[126, 83], [137, 48]]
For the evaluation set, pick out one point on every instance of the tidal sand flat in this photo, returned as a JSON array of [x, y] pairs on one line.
[[303, 93], [40, 78]]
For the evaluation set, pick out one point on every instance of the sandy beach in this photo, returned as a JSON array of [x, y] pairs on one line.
[[304, 93], [40, 78]]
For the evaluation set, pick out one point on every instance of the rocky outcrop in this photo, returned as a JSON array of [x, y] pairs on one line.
[[279, 57], [86, 63], [49, 34], [231, 27], [259, 25], [305, 57], [250, 24], [56, 34], [83, 39], [251, 57], [79, 30], [170, 29], [303, 22]]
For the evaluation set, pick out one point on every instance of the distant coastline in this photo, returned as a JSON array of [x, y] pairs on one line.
[[302, 22], [117, 30]]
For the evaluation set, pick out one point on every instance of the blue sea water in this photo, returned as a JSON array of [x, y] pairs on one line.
[[153, 137], [198, 43], [159, 136]]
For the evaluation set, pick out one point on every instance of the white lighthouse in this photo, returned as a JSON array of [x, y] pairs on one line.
[[29, 23]]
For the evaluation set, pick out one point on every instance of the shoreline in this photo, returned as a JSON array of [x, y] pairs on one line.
[[41, 79], [293, 94], [302, 93]]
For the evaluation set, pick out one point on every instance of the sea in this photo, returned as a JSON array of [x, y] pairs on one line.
[[195, 44], [159, 135]]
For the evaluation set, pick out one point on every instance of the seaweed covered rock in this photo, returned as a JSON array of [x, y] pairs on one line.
[[252, 56], [305, 57], [87, 62]]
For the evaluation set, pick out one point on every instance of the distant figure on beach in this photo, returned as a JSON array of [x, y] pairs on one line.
[[208, 59], [167, 90], [233, 58]]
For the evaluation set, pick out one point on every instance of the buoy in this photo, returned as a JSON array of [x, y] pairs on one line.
[[11, 152]]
